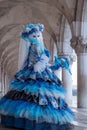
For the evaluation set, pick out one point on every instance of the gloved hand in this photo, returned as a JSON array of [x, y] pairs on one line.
[[44, 58], [39, 66]]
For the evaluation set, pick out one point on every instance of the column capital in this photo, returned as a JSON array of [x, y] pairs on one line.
[[70, 56], [79, 44]]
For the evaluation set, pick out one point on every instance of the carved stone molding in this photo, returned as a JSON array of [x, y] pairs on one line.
[[79, 44]]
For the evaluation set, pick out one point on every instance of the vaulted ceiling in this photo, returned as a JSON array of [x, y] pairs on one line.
[[15, 13]]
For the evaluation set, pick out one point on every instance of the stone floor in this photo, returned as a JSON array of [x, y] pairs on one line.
[[80, 122]]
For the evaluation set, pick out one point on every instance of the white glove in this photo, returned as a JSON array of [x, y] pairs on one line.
[[39, 66], [44, 58]]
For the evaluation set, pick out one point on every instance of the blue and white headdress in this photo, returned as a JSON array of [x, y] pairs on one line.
[[30, 29]]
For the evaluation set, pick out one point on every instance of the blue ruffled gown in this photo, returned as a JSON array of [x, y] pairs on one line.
[[35, 100]]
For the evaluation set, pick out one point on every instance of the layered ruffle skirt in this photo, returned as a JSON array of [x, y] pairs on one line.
[[35, 101]]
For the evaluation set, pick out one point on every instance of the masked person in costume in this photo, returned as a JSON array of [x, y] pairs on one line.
[[35, 100]]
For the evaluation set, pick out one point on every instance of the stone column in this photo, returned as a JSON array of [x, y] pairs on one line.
[[67, 81], [0, 78], [80, 46], [0, 83], [3, 82], [6, 83]]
